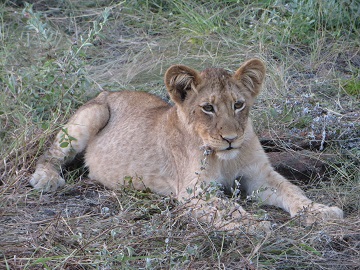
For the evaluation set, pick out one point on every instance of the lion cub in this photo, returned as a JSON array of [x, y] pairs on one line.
[[207, 136]]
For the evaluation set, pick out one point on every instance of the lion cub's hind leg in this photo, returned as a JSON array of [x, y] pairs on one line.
[[71, 140]]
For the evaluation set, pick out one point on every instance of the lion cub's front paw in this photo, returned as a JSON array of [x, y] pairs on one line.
[[46, 178], [319, 212]]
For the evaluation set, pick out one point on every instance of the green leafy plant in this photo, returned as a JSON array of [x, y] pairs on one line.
[[66, 139], [352, 87]]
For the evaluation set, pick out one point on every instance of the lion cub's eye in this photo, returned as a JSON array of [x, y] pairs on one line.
[[208, 108], [239, 105]]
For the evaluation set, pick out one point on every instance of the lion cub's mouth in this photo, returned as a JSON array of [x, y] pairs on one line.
[[222, 148], [228, 148]]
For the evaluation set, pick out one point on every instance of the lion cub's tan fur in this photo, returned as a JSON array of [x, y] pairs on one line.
[[162, 146]]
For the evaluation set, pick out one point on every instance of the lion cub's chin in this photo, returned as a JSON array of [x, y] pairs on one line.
[[227, 154]]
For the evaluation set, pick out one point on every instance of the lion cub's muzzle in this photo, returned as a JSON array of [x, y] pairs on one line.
[[230, 140], [228, 143]]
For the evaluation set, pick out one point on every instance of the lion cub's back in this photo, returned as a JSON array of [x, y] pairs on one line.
[[135, 99], [129, 144]]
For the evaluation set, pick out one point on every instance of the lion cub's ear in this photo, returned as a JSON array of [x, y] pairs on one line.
[[251, 74], [179, 80]]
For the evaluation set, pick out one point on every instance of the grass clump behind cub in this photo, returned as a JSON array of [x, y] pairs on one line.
[[161, 146]]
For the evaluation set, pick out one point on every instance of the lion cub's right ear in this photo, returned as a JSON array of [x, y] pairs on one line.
[[180, 80], [251, 74]]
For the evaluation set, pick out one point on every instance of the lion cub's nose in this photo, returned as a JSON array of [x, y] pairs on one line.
[[229, 138]]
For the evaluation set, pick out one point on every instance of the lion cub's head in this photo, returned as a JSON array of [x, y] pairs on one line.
[[216, 104]]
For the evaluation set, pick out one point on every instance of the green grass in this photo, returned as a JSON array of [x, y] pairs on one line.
[[55, 55]]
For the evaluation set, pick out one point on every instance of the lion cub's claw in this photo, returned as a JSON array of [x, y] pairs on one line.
[[46, 179]]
